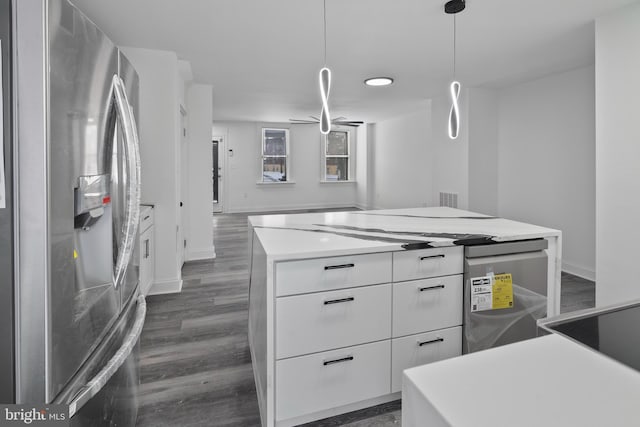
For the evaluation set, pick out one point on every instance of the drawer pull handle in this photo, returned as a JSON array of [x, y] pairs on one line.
[[337, 301], [422, 258], [431, 288], [146, 217], [331, 362], [421, 343], [336, 267]]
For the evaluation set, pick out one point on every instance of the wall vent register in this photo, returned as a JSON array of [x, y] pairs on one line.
[[449, 199]]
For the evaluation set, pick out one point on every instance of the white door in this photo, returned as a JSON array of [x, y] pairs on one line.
[[182, 189], [217, 152]]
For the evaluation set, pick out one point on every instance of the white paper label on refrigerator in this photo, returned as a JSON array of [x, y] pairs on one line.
[[481, 293], [3, 184]]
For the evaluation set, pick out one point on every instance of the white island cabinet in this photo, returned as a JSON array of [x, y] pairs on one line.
[[546, 381], [341, 303]]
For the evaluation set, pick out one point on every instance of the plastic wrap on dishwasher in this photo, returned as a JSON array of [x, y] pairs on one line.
[[483, 329]]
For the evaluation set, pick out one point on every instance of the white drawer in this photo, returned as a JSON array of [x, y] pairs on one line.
[[425, 263], [427, 305], [327, 380], [146, 218], [326, 320], [323, 274], [437, 345]]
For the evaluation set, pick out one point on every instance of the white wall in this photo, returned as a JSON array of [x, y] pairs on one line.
[[461, 164], [524, 153], [243, 171], [159, 149], [186, 75], [402, 161], [199, 234], [451, 157], [618, 155], [362, 167], [371, 172], [546, 164], [483, 151]]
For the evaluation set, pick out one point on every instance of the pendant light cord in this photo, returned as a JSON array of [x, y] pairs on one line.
[[325, 31], [454, 46]]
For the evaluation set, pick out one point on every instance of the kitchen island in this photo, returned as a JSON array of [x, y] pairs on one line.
[[546, 381], [332, 320]]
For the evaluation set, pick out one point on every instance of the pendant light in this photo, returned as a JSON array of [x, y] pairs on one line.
[[453, 7], [324, 78]]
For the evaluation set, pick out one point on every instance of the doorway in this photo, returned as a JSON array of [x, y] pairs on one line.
[[183, 195], [216, 152]]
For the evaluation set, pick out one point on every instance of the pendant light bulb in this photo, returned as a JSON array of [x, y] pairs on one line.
[[454, 113], [324, 79]]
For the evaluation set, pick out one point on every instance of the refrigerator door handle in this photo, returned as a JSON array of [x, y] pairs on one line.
[[132, 216], [96, 383]]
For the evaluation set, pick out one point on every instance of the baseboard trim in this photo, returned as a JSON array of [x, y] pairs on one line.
[[144, 289], [201, 254], [362, 206], [291, 207], [339, 410], [166, 287], [576, 270]]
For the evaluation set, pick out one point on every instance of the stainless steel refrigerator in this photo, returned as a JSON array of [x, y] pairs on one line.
[[69, 228]]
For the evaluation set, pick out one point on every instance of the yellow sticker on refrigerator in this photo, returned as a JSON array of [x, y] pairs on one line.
[[491, 292], [502, 291]]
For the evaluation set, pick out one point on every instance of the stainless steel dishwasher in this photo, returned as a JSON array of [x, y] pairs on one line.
[[505, 293]]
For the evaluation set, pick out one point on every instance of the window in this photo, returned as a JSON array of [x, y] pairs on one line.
[[337, 156], [275, 155]]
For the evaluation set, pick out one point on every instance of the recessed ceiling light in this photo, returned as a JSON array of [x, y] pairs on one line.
[[379, 81]]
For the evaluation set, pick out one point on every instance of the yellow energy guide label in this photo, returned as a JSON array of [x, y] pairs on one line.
[[491, 292]]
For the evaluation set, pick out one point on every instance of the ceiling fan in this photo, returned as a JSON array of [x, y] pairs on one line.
[[342, 121]]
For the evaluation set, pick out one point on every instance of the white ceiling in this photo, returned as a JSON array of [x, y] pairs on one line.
[[262, 56]]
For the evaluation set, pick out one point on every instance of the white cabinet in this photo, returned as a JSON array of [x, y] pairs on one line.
[[419, 349], [323, 274], [425, 263], [146, 249], [327, 380], [334, 319], [346, 327], [427, 304]]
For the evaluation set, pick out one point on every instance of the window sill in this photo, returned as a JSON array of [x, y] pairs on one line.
[[338, 182], [275, 182]]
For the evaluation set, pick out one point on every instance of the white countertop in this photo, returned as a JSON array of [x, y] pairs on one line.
[[294, 236], [547, 381]]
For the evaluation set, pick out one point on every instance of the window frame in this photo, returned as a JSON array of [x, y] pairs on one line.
[[286, 156], [349, 156]]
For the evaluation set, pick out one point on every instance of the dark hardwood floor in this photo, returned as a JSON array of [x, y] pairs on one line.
[[195, 365]]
